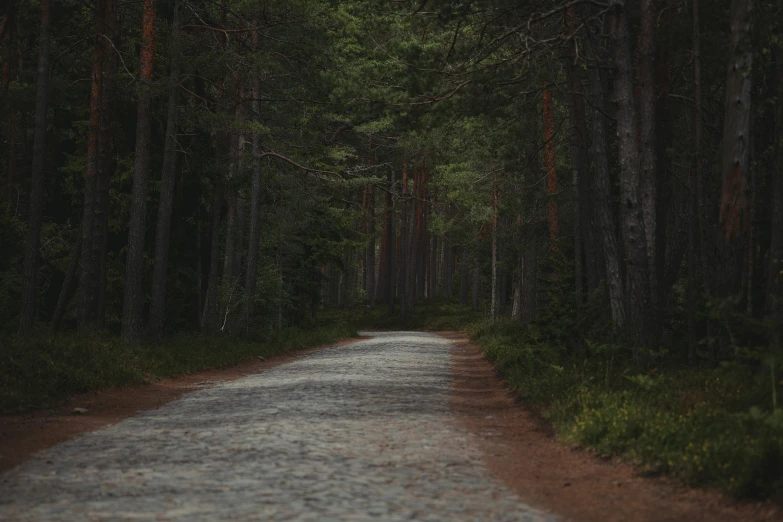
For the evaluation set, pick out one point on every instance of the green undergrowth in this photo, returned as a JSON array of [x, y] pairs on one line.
[[39, 372], [708, 426]]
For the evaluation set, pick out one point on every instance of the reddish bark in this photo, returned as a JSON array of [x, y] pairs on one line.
[[134, 269], [89, 271]]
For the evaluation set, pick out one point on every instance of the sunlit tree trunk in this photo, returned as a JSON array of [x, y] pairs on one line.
[[35, 217], [134, 263]]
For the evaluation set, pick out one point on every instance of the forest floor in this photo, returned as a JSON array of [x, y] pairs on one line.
[[397, 426], [521, 449]]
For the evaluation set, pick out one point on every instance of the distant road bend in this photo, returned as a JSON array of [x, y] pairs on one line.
[[357, 432]]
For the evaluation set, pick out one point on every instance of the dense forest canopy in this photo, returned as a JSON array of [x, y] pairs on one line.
[[233, 166]]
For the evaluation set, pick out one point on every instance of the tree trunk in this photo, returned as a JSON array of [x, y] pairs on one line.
[[551, 172], [474, 299], [390, 245], [370, 264], [646, 130], [585, 256], [529, 283], [693, 229], [89, 274], [433, 254], [734, 211], [134, 265], [209, 318], [464, 276], [415, 262], [254, 240], [637, 290], [167, 180], [774, 303], [33, 244], [603, 197], [8, 58], [68, 283], [665, 239], [101, 226], [494, 304], [386, 244], [402, 256]]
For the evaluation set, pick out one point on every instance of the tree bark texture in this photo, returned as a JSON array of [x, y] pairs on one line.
[[35, 217], [68, 285], [647, 142], [105, 141], [637, 289], [551, 171], [89, 274], [134, 263], [167, 181], [254, 237], [585, 255], [734, 206], [774, 276], [493, 307], [209, 319], [602, 196]]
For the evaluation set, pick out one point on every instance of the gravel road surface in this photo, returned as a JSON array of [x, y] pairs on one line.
[[357, 432]]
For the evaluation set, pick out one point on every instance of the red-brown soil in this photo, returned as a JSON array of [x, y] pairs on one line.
[[521, 450], [24, 434]]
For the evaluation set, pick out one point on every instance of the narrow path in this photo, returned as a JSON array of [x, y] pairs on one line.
[[358, 432]]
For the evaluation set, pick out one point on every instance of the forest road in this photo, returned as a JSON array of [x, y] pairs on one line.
[[356, 432]]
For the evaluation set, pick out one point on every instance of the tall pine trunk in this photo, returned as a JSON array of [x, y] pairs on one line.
[[35, 218], [585, 256], [637, 289], [734, 207], [647, 135], [694, 211], [493, 307], [134, 263], [551, 172], [89, 274], [254, 237], [167, 180], [370, 263], [774, 302], [105, 141]]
